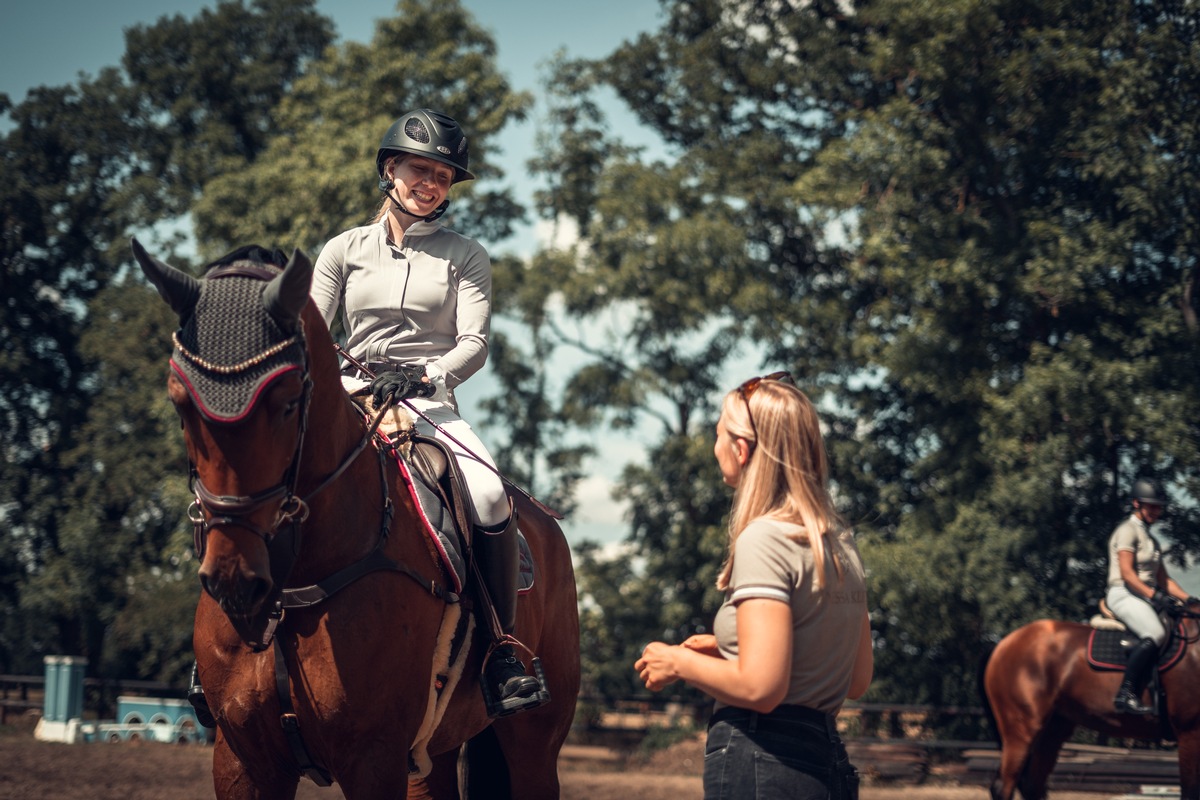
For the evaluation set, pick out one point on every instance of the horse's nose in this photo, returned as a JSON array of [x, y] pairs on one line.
[[242, 593]]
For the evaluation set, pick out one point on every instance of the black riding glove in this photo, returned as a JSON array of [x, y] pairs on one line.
[[1161, 601], [392, 387]]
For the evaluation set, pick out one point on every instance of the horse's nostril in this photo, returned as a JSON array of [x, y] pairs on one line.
[[259, 591]]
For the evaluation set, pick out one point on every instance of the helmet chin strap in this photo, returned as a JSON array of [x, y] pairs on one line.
[[437, 212]]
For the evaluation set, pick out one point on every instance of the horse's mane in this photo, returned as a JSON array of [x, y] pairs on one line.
[[251, 252]]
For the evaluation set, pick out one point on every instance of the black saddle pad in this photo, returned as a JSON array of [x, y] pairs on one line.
[[1109, 650]]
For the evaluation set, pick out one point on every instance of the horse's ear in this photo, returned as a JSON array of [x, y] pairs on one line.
[[180, 290], [286, 294]]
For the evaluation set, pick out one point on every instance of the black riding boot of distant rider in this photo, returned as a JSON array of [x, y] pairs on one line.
[[199, 702], [509, 688], [1142, 659]]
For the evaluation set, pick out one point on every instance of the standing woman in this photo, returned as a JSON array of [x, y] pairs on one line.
[[1139, 589], [417, 301], [792, 640]]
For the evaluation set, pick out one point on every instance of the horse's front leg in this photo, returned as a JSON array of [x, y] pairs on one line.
[[1189, 765], [232, 781]]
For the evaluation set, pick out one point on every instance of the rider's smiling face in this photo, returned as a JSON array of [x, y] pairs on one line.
[[421, 183], [1147, 512]]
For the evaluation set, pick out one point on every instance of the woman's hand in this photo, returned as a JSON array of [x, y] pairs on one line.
[[657, 667], [703, 643], [404, 383]]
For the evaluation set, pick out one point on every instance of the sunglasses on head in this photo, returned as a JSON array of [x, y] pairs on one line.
[[750, 386]]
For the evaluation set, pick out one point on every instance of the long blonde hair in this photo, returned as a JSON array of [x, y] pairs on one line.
[[786, 475]]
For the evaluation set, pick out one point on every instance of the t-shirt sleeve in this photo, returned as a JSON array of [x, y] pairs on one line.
[[764, 565], [1125, 538]]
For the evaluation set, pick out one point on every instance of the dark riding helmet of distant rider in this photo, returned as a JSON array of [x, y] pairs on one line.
[[428, 133], [1147, 492]]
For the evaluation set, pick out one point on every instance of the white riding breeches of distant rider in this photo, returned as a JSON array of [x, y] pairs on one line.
[[1137, 614]]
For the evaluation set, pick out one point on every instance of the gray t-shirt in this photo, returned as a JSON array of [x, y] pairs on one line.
[[826, 624], [426, 300], [1133, 536]]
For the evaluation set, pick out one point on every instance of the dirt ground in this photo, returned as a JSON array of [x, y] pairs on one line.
[[33, 770]]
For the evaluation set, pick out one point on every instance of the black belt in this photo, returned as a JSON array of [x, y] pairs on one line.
[[784, 713]]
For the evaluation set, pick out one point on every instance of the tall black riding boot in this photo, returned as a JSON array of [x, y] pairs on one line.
[[510, 688], [1142, 659]]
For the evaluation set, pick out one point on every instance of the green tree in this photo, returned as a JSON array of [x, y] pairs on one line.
[[686, 251], [83, 167], [316, 176], [969, 229], [1023, 220], [121, 508], [536, 445], [207, 89]]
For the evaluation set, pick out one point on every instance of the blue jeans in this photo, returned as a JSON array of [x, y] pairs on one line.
[[793, 753]]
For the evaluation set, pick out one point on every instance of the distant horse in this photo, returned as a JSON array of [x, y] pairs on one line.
[[324, 599], [1039, 687]]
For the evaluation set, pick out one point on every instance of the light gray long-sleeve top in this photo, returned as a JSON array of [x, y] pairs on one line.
[[426, 300]]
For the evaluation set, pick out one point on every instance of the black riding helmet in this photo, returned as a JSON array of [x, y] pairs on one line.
[[425, 133], [1147, 492]]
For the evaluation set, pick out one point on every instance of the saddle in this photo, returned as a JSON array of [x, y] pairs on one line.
[[430, 469], [1110, 642]]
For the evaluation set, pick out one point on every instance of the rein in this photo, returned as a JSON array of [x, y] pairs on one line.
[[1181, 631], [361, 367]]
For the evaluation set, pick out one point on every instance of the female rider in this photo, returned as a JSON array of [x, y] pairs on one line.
[[415, 294], [1139, 589]]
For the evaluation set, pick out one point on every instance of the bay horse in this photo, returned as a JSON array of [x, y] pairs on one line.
[[1038, 687], [295, 495]]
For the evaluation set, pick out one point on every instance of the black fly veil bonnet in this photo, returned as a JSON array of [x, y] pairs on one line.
[[237, 333]]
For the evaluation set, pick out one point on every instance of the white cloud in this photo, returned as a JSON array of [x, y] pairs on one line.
[[559, 234], [598, 517]]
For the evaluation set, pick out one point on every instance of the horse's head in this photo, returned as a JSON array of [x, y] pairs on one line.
[[239, 381]]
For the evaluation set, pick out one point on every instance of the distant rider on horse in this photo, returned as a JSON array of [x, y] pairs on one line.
[[1139, 590]]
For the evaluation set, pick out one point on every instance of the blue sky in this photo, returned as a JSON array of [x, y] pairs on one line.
[[51, 42]]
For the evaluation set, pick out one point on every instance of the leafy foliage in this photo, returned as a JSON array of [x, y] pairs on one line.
[[90, 464], [968, 227], [316, 175]]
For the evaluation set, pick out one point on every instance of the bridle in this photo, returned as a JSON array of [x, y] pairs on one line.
[[209, 509], [283, 537]]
